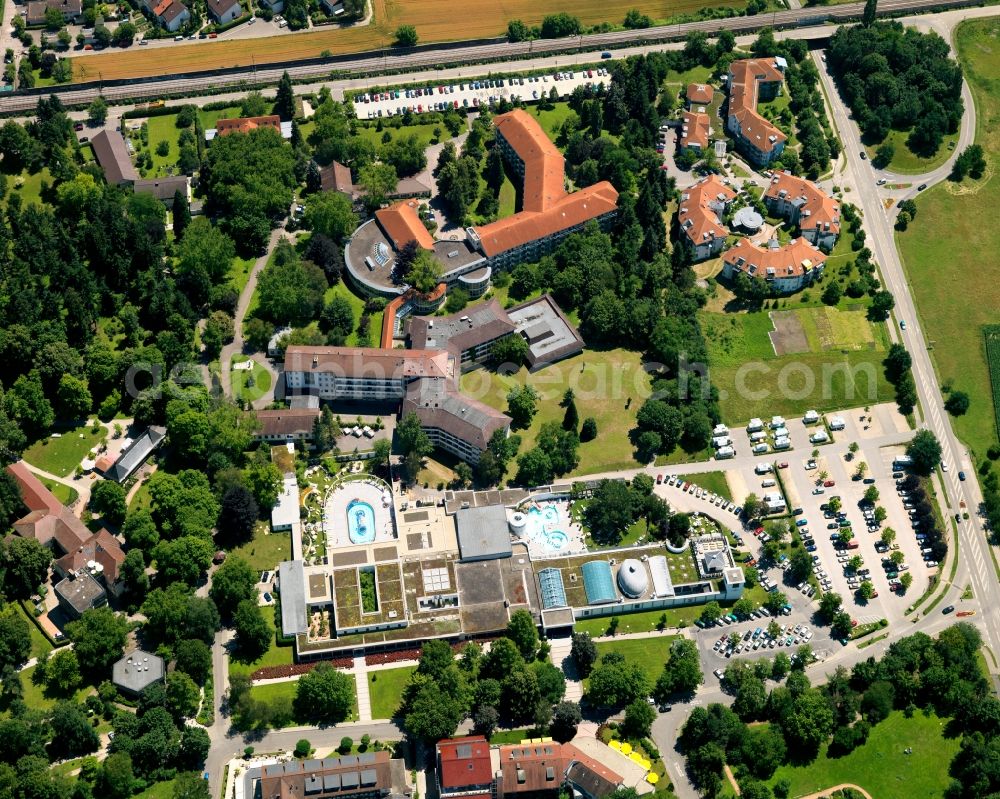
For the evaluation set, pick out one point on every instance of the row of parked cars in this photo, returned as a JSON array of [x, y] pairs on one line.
[[760, 638], [700, 493]]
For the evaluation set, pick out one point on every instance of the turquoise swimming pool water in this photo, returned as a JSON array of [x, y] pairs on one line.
[[539, 528], [360, 522]]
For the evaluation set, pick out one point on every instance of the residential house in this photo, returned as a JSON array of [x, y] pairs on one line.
[[699, 216], [286, 424], [164, 189], [224, 11], [112, 154], [224, 127], [695, 131], [368, 775], [171, 14], [70, 9], [806, 205], [699, 95], [274, 6], [752, 81], [80, 592], [464, 768]]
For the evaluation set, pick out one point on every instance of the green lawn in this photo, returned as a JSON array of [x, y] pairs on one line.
[[341, 289], [158, 790], [604, 384], [274, 656], [60, 456], [163, 129], [650, 653], [424, 133], [906, 162], [551, 121], [712, 481], [880, 765], [250, 384], [953, 220], [141, 498], [29, 185], [385, 688], [35, 696], [64, 493], [240, 272], [279, 690], [501, 737], [39, 643], [266, 549], [508, 198]]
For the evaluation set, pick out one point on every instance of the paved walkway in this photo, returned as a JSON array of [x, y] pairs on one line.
[[360, 671], [560, 654], [828, 791]]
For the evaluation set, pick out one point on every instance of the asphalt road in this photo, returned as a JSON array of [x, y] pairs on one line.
[[973, 550], [389, 61]]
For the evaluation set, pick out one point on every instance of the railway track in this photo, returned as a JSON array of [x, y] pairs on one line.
[[390, 62]]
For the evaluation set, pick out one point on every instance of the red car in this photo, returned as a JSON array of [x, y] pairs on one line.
[[782, 465], [659, 479], [829, 483]]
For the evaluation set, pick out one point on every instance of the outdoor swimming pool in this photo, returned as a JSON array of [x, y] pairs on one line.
[[360, 522], [541, 528]]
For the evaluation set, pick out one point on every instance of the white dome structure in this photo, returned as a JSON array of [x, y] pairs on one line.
[[748, 219], [632, 578]]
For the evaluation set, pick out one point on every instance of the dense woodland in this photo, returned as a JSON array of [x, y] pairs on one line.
[[896, 78]]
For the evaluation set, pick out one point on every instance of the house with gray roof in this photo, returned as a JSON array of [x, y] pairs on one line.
[[137, 671], [469, 335], [80, 592], [136, 453]]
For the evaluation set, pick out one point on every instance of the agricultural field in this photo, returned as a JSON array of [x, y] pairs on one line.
[[609, 385], [958, 218], [435, 21], [787, 361]]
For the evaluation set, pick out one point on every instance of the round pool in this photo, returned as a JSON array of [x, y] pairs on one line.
[[556, 540], [360, 522]]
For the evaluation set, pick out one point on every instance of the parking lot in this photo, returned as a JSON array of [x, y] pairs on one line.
[[473, 93]]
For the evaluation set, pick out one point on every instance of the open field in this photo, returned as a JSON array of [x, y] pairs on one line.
[[603, 382], [266, 549], [833, 359], [712, 481], [435, 21], [906, 162], [952, 220], [649, 653], [385, 689], [60, 456], [880, 766]]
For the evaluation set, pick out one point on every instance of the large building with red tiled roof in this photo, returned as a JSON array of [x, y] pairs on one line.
[[786, 268], [699, 216], [549, 213], [752, 81], [805, 204], [402, 224]]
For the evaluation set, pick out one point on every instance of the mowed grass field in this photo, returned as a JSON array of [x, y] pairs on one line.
[[649, 653], [838, 364], [880, 765], [955, 228], [435, 21], [906, 162], [603, 383]]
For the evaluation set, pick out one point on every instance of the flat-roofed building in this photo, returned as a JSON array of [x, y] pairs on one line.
[[550, 335], [483, 533], [80, 592], [136, 671]]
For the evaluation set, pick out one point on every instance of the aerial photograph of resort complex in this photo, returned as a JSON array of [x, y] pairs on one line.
[[465, 400]]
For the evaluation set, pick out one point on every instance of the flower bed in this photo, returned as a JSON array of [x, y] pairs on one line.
[[297, 669]]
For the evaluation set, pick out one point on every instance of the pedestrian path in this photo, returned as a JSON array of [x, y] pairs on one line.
[[560, 654], [361, 678]]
